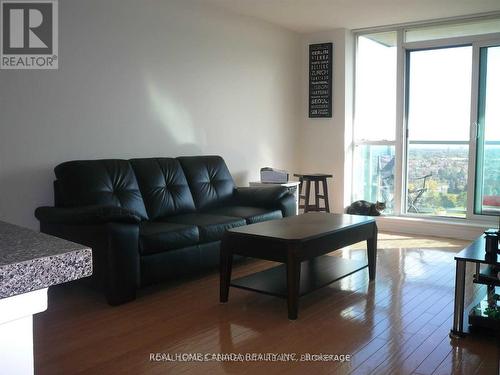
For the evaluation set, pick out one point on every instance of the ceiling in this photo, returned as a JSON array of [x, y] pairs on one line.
[[317, 15]]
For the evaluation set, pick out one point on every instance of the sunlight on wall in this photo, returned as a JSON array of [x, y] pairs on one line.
[[266, 152], [174, 117]]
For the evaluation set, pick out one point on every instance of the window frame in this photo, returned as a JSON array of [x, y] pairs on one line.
[[401, 137], [476, 67], [406, 78]]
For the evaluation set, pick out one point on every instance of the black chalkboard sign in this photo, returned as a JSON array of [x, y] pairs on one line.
[[320, 80]]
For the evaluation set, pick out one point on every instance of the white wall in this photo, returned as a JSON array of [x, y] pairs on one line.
[[149, 78], [325, 143]]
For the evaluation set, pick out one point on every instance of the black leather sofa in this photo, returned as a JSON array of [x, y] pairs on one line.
[[153, 219]]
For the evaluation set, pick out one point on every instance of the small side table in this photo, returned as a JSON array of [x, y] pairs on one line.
[[474, 253], [292, 186]]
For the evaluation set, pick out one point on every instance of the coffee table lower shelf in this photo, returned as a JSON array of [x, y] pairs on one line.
[[314, 274]]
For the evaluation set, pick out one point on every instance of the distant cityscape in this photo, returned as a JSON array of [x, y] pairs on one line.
[[446, 187], [444, 170]]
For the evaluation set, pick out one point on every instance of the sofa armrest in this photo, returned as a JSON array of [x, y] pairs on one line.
[[272, 197], [265, 196], [115, 255], [86, 215], [288, 205]]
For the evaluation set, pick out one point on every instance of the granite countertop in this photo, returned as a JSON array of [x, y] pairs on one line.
[[31, 260]]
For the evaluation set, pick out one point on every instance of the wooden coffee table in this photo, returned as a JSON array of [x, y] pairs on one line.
[[299, 242]]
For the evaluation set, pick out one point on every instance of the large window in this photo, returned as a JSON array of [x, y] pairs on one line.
[[416, 143]]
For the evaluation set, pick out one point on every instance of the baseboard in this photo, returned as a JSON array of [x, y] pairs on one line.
[[429, 227]]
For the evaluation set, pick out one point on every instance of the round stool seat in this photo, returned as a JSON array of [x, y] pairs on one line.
[[313, 176]]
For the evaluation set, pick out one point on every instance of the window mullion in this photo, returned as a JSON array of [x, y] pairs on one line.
[[471, 176], [399, 184]]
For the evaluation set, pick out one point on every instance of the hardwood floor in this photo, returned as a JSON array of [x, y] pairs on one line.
[[397, 325]]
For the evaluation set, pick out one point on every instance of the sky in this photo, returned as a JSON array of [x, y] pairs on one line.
[[439, 93]]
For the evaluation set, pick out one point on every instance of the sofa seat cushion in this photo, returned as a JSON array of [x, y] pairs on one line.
[[250, 214], [211, 227], [156, 237]]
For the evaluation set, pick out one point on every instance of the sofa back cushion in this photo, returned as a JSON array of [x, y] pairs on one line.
[[163, 186], [209, 180], [99, 182]]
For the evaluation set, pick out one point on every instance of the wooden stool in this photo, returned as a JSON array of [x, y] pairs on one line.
[[316, 178]]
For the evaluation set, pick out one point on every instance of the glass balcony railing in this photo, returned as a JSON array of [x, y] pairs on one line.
[[488, 189], [437, 178], [374, 174]]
